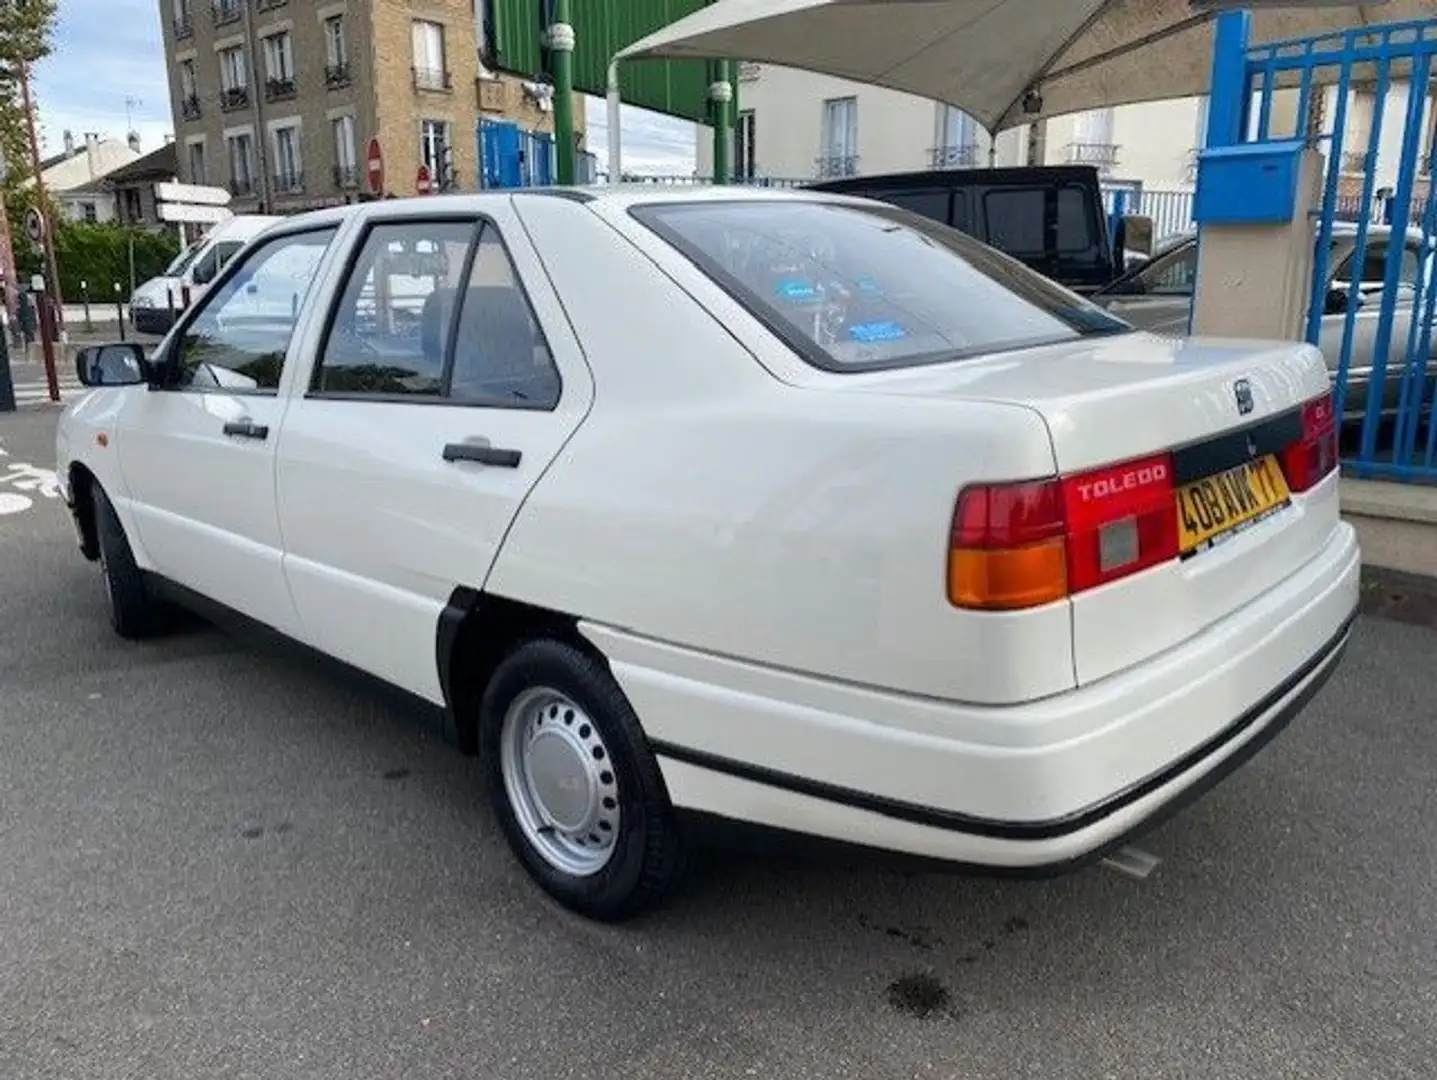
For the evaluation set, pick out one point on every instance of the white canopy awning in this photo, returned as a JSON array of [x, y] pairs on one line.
[[984, 56]]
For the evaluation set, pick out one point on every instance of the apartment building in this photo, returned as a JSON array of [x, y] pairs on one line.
[[277, 99], [797, 125]]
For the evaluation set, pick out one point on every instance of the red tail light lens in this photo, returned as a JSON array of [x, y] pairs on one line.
[[1120, 520], [1022, 545], [1309, 460]]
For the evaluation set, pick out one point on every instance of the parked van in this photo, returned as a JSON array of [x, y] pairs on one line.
[[158, 301], [1050, 217]]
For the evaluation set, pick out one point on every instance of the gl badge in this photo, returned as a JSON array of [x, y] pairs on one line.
[[1242, 391]]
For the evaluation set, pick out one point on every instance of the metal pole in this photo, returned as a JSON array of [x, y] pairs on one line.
[[45, 313], [120, 310], [85, 297], [616, 141], [721, 95], [266, 205], [561, 48], [41, 201]]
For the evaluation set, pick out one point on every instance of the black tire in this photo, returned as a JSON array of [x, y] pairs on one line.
[[648, 853], [133, 612]]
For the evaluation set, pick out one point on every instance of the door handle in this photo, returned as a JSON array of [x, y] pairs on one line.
[[483, 454], [246, 429]]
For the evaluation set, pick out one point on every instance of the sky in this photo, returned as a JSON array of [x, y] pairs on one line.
[[108, 51]]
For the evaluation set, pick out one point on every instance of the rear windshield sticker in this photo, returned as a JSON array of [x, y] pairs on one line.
[[876, 331], [796, 289], [867, 285]]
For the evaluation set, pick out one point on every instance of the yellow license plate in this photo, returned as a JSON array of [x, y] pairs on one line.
[[1216, 506]]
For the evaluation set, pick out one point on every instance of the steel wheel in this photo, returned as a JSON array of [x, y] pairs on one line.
[[560, 781]]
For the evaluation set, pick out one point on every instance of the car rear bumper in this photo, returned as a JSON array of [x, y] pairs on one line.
[[1046, 784]]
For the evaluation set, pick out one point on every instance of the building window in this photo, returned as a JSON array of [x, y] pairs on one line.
[[199, 174], [840, 138], [431, 71], [189, 91], [957, 139], [234, 79], [346, 164], [745, 146], [288, 169], [484, 22], [134, 206], [241, 152], [184, 19], [1093, 142], [226, 11], [336, 53], [434, 148], [279, 67], [89, 212]]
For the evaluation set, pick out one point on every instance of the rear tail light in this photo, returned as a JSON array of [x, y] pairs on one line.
[[1314, 455], [1021, 545]]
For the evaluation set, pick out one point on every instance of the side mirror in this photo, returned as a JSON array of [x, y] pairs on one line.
[[1138, 233], [204, 273], [112, 365]]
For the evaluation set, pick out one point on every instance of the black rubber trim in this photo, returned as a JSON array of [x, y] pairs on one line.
[[1231, 449], [1325, 659]]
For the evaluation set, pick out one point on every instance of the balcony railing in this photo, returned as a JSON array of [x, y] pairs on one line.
[[964, 156], [190, 108], [226, 11], [346, 177], [1102, 155], [183, 25], [432, 79], [279, 89], [288, 181], [242, 186], [832, 166], [265, 5], [336, 76], [234, 98]]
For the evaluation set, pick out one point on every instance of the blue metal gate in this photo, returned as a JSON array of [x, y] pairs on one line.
[[1372, 299]]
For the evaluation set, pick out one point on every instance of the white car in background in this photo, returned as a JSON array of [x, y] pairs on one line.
[[731, 507], [155, 304]]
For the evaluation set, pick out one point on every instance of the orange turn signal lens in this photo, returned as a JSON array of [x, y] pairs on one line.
[[1008, 579]]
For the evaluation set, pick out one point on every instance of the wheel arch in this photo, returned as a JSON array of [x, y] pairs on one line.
[[476, 631], [82, 485]]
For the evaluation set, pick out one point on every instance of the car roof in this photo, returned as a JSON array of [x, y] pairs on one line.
[[620, 195]]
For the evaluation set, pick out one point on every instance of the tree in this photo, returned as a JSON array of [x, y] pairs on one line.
[[26, 28]]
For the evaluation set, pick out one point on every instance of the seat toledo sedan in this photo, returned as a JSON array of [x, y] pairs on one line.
[[724, 507]]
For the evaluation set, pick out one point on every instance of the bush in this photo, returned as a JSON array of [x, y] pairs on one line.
[[97, 253]]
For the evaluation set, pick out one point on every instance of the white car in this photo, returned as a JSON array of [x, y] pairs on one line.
[[737, 508]]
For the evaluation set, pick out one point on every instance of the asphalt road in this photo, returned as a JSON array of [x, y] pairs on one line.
[[221, 859]]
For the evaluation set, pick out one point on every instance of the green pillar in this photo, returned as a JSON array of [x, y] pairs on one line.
[[721, 99], [561, 48]]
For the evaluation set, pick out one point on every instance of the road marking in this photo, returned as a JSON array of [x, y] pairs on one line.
[[33, 393], [13, 504]]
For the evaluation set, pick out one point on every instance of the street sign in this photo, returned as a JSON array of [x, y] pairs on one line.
[[422, 183], [191, 194], [35, 226], [182, 212], [374, 167]]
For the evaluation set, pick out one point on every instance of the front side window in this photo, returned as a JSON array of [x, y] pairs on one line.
[[1174, 274], [239, 334], [853, 288], [394, 332]]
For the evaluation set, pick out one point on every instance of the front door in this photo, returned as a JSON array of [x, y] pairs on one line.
[[445, 383], [198, 454]]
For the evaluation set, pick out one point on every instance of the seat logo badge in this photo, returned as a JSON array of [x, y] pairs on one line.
[[1242, 391]]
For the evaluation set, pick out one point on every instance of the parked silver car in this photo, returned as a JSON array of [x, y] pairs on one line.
[[1157, 296]]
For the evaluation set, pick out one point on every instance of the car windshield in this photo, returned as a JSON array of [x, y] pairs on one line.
[[853, 288], [182, 260]]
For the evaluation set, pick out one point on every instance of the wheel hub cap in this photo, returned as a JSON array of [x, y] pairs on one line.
[[560, 781]]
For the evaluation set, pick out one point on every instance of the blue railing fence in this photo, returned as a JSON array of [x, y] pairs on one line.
[[1377, 337], [513, 156]]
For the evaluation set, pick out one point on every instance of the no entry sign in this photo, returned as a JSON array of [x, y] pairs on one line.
[[422, 183], [374, 167]]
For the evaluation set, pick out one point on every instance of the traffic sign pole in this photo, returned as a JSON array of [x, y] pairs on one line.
[[374, 168], [423, 185]]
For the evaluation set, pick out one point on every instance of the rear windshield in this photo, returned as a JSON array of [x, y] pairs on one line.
[[853, 288]]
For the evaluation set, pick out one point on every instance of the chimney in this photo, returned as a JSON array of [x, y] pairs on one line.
[[69, 143], [92, 144], [134, 141]]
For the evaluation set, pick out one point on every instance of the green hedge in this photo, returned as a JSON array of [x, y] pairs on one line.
[[99, 254]]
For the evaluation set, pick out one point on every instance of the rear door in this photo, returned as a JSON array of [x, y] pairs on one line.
[[446, 380]]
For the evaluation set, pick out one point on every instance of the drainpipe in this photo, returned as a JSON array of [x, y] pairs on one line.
[[616, 168], [561, 48], [266, 203]]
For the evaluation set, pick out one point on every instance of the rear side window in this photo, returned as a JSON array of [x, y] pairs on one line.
[[854, 288], [930, 204]]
